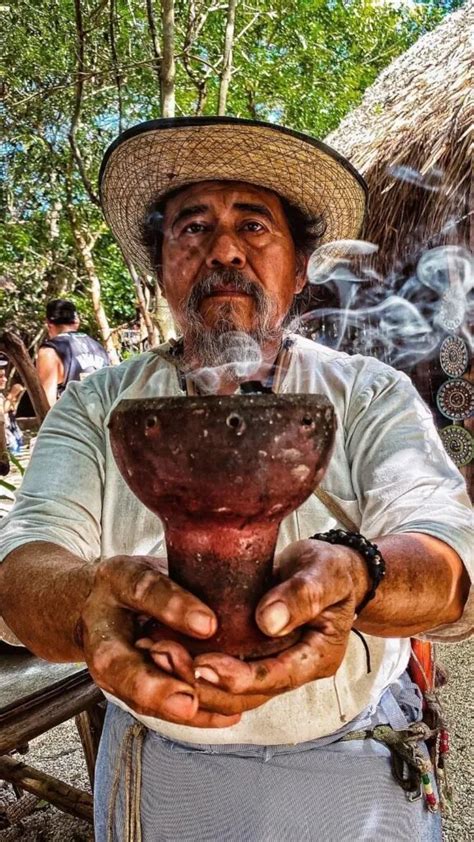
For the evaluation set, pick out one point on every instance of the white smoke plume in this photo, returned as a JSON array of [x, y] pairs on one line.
[[401, 321]]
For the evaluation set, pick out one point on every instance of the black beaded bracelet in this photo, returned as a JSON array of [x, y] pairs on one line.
[[369, 551]]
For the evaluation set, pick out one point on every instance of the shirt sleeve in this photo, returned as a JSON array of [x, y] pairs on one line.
[[60, 499], [403, 478]]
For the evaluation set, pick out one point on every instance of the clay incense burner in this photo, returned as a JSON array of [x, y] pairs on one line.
[[221, 473]]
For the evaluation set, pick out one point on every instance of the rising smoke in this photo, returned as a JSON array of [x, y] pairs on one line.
[[401, 318]]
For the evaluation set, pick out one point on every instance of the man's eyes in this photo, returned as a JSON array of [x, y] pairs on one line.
[[194, 228], [251, 225]]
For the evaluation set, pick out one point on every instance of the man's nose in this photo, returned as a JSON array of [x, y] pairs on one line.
[[225, 250]]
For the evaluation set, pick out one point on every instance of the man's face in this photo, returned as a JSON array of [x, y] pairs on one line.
[[229, 255], [3, 377]]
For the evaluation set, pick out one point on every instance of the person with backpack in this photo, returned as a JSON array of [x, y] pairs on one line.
[[68, 354]]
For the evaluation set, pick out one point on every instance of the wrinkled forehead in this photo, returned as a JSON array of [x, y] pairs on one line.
[[224, 192]]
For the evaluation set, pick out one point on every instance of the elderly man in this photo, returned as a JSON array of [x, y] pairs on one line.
[[227, 213]]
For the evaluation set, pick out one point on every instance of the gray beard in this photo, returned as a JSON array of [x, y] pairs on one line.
[[224, 353]]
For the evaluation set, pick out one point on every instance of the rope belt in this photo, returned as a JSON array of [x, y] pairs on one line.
[[411, 768], [130, 759]]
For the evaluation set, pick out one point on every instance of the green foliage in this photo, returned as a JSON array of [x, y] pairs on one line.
[[304, 63], [16, 462]]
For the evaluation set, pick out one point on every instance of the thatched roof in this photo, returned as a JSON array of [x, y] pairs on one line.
[[411, 137]]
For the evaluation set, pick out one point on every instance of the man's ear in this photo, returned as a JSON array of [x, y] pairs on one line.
[[301, 271]]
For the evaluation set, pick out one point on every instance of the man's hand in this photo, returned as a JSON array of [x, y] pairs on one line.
[[163, 685], [65, 609], [425, 586], [47, 594], [323, 585], [173, 659]]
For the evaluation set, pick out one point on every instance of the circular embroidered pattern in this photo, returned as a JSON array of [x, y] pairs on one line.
[[458, 444], [455, 399], [454, 356]]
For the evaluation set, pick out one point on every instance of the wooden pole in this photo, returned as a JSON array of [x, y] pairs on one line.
[[67, 798], [89, 724], [13, 347]]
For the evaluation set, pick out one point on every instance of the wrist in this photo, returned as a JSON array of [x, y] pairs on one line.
[[82, 579], [360, 576], [367, 564]]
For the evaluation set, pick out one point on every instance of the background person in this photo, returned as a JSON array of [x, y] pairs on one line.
[[3, 374], [4, 460], [9, 405], [67, 354], [14, 434]]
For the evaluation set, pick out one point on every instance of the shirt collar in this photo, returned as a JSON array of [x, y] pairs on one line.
[[172, 353]]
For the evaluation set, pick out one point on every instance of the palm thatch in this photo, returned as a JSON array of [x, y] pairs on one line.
[[411, 138]]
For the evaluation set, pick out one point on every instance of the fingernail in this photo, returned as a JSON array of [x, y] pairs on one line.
[[275, 617], [179, 704], [162, 660], [199, 622], [207, 674], [144, 643]]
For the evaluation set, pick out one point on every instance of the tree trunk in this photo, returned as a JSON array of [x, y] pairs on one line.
[[167, 64], [85, 252], [227, 63], [151, 330], [155, 46], [53, 218], [80, 74], [13, 347], [163, 316], [56, 274]]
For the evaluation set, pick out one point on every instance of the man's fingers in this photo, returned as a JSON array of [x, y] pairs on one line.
[[173, 659], [137, 585], [124, 672], [207, 719], [119, 667], [148, 690], [300, 600], [170, 657], [219, 701], [313, 657]]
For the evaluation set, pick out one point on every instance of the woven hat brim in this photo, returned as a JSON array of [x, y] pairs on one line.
[[153, 159]]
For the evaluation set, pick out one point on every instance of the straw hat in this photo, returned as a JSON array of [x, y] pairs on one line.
[[152, 159]]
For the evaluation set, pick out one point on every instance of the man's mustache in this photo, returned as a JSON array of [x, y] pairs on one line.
[[224, 278]]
